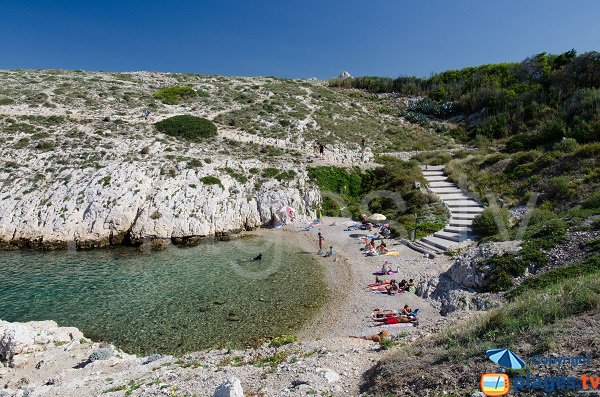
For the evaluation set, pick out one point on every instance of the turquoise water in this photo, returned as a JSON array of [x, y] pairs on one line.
[[173, 301]]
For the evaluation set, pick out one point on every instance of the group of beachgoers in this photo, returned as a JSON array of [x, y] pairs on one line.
[[381, 317]]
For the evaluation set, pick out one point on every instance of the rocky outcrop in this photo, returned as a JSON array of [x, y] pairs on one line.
[[136, 203], [84, 368], [25, 338], [457, 289]]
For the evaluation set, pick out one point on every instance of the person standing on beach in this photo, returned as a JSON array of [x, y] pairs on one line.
[[362, 149], [321, 239]]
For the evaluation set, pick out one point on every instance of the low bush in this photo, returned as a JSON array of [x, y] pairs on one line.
[[211, 180], [556, 276], [488, 222], [283, 340], [175, 94], [190, 128]]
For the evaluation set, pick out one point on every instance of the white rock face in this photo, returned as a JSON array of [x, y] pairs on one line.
[[457, 288], [99, 207], [231, 388], [23, 338]]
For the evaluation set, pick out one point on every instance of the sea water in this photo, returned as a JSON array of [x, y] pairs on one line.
[[172, 301]]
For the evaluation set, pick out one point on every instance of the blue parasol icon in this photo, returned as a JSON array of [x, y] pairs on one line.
[[505, 358]]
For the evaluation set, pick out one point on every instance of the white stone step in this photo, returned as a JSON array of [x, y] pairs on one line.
[[453, 196], [428, 247], [432, 168], [436, 178], [456, 237], [445, 190], [462, 203], [458, 229], [440, 243], [466, 210], [441, 184], [464, 216], [432, 173], [460, 222]]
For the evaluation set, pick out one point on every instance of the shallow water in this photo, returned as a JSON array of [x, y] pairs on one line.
[[173, 301]]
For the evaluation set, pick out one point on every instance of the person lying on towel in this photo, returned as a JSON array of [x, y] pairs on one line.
[[375, 338], [398, 319]]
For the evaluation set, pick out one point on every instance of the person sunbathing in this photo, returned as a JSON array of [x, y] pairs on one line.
[[392, 287], [381, 248], [379, 313], [406, 311], [390, 320], [386, 268], [410, 285], [378, 282], [375, 338]]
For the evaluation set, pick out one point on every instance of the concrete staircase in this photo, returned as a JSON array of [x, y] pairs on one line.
[[461, 208]]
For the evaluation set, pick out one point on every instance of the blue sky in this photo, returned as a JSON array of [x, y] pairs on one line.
[[309, 38]]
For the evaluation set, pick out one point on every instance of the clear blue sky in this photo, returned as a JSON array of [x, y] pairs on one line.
[[290, 38]]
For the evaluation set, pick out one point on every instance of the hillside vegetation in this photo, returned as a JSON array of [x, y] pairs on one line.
[[533, 134]]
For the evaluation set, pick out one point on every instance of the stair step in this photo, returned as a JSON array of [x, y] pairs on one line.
[[466, 210], [422, 244], [462, 203], [445, 190], [460, 222], [441, 243], [432, 173], [464, 216], [458, 229], [432, 168], [453, 196], [441, 184], [436, 178], [456, 237]]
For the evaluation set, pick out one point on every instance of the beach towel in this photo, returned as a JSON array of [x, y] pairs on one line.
[[392, 253], [416, 323], [385, 274]]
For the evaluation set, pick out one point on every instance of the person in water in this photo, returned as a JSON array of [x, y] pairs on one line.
[[258, 257]]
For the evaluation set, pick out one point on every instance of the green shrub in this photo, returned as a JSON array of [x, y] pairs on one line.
[[590, 150], [155, 215], [283, 340], [556, 276], [545, 229], [486, 223], [566, 145], [270, 172], [593, 201], [286, 175], [236, 175], [211, 180], [387, 343], [187, 127], [175, 94], [559, 188]]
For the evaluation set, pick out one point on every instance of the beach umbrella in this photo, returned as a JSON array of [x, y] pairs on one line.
[[286, 209], [377, 217], [505, 358]]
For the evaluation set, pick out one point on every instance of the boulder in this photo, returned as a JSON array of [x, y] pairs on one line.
[[344, 75], [331, 376], [22, 338], [231, 388]]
